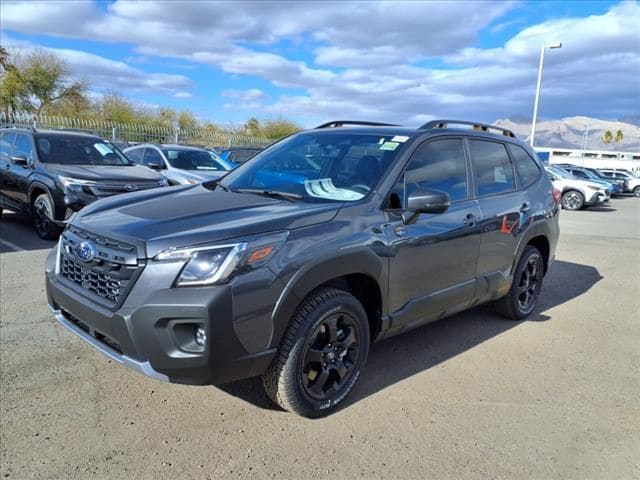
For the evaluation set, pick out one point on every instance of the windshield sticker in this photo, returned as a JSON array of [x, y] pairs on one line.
[[324, 188], [172, 154], [400, 138], [389, 146], [103, 148]]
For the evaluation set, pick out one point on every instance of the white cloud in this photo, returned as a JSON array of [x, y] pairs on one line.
[[182, 95], [367, 55]]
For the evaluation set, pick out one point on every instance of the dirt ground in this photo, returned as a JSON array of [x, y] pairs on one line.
[[472, 396]]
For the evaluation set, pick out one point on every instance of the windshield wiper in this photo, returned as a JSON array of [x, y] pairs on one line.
[[270, 193]]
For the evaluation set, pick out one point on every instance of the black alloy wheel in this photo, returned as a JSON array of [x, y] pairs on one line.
[[46, 228], [330, 357], [321, 354]]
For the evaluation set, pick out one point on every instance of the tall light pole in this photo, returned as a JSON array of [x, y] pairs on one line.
[[535, 103]]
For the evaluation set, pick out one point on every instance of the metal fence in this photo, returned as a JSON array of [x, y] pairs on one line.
[[135, 132]]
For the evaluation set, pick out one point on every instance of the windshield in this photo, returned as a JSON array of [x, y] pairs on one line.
[[78, 150], [319, 166], [562, 173], [193, 160]]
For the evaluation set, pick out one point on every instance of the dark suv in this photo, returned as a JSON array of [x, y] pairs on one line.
[[292, 264], [50, 174]]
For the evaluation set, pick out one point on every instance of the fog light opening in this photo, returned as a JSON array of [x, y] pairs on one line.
[[201, 336]]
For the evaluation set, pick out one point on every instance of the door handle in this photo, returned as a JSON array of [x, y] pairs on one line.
[[470, 220], [525, 207]]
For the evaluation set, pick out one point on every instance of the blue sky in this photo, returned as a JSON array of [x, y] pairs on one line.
[[404, 62]]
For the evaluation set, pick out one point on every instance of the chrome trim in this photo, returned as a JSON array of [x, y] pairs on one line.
[[141, 367]]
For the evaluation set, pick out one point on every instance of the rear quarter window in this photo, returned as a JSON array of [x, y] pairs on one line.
[[526, 167]]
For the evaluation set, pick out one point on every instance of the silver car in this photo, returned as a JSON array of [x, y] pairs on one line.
[[180, 164]]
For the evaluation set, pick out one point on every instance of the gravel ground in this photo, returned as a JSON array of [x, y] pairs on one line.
[[472, 396]]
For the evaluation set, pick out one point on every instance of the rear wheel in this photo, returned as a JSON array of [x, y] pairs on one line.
[[636, 191], [525, 289], [43, 218], [321, 355], [572, 200]]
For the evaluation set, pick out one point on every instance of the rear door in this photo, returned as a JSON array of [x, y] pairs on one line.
[[17, 176], [6, 147], [432, 269], [503, 208]]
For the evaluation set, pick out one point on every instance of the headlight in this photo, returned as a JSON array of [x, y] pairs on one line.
[[75, 184], [191, 181], [593, 187], [212, 265], [163, 182]]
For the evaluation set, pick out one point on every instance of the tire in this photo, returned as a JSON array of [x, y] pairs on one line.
[[43, 218], [572, 200], [636, 191], [328, 336], [526, 285]]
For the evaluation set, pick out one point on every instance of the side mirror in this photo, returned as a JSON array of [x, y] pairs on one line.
[[425, 201], [20, 160], [154, 166]]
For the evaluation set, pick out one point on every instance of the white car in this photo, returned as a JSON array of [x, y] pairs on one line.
[[631, 182], [576, 193], [180, 164]]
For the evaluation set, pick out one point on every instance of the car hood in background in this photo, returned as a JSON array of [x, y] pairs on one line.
[[105, 173], [183, 176], [183, 216]]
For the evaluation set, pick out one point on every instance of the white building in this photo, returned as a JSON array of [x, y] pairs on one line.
[[591, 158]]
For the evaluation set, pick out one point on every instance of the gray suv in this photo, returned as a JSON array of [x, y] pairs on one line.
[[294, 263]]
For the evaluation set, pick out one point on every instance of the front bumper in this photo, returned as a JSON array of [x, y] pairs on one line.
[[598, 198], [152, 331]]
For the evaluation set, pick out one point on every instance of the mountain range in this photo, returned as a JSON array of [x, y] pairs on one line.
[[571, 132]]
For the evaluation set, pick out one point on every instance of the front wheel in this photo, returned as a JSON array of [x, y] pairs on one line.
[[636, 191], [521, 300], [572, 200], [321, 355], [46, 228]]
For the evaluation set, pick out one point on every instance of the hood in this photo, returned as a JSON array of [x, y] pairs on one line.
[[106, 173], [183, 216], [197, 175]]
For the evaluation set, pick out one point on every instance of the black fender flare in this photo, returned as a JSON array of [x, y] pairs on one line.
[[537, 229], [324, 269]]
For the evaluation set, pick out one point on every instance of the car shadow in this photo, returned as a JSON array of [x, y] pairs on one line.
[[397, 358], [18, 233], [601, 209]]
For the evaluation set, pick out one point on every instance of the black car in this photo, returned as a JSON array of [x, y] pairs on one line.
[[290, 266], [50, 174]]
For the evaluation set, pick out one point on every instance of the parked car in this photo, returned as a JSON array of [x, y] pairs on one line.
[[577, 194], [180, 164], [239, 155], [612, 186], [632, 182], [50, 174], [231, 279]]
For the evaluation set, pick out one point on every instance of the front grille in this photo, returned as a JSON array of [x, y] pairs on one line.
[[108, 273], [107, 280], [105, 189]]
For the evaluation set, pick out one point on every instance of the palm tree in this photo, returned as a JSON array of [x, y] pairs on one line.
[[607, 137], [619, 136]]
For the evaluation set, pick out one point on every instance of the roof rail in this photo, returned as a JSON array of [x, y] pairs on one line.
[[20, 127], [476, 126], [342, 123]]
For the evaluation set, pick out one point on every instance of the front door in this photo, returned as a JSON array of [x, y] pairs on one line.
[[432, 269]]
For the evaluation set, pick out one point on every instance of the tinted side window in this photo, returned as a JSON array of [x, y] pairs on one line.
[[438, 165], [527, 169], [492, 167], [23, 147], [153, 156], [6, 144], [579, 174], [135, 155]]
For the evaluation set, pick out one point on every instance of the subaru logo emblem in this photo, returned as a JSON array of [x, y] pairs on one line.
[[86, 252], [130, 187]]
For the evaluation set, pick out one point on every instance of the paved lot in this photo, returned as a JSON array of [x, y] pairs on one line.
[[469, 397]]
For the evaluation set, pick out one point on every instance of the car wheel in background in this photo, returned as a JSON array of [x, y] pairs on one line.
[[43, 218], [636, 191], [527, 283], [572, 200], [321, 355]]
